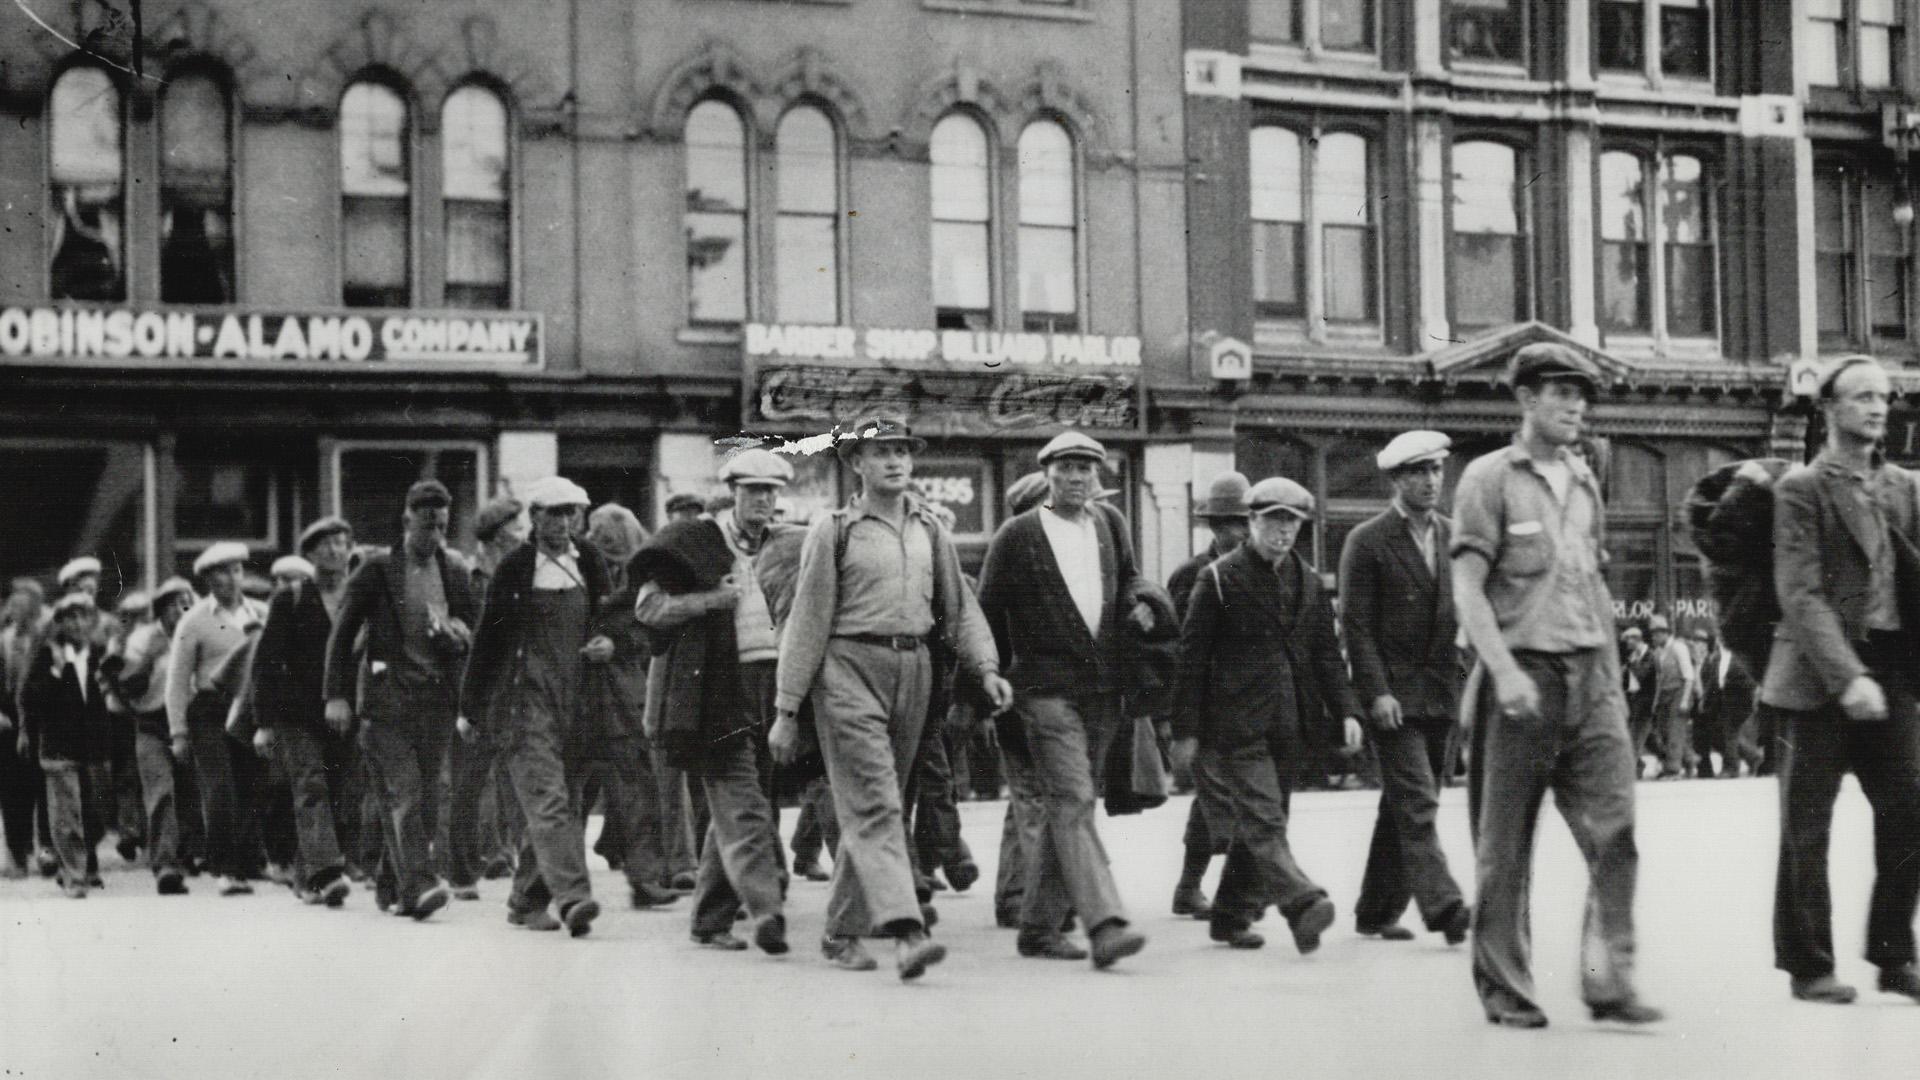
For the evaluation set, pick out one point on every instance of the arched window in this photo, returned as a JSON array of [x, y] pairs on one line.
[[1343, 205], [196, 190], [1049, 227], [1623, 243], [474, 170], [806, 251], [1488, 276], [1279, 250], [375, 184], [962, 224], [88, 194], [716, 220]]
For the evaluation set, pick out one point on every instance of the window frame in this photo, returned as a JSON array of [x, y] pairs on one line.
[[1527, 269], [1658, 338], [1847, 42], [1308, 19], [1313, 324], [222, 77], [994, 176], [750, 299], [510, 183], [1651, 72], [842, 291], [1521, 65], [410, 150], [55, 213], [1077, 186], [1859, 256]]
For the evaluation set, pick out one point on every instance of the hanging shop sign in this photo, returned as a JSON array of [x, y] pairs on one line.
[[946, 381], [392, 339]]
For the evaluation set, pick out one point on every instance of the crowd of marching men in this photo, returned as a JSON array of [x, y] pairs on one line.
[[418, 718]]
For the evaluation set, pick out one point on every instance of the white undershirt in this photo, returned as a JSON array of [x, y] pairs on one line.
[[1076, 547], [1559, 477]]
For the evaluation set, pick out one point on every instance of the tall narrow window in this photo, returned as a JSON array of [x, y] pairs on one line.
[[196, 191], [474, 171], [1343, 205], [375, 187], [1620, 34], [1623, 243], [89, 247], [1889, 259], [1346, 25], [1049, 226], [1488, 31], [807, 243], [716, 219], [1686, 212], [1489, 274], [1863, 257], [1827, 55], [1686, 47], [1883, 40], [1833, 257], [962, 224], [1279, 247], [1274, 20]]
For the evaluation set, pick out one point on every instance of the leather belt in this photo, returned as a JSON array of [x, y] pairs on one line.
[[896, 642]]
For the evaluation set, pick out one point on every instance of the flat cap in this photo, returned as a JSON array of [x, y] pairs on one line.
[[555, 491], [757, 466], [221, 554], [1658, 622], [133, 603], [85, 564], [292, 565], [1277, 494], [173, 586], [881, 427], [1027, 492], [1226, 497], [1830, 374], [1544, 360], [428, 492], [320, 530], [684, 501], [72, 601], [1072, 444], [1413, 448], [494, 516]]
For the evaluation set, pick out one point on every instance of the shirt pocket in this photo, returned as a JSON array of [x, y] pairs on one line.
[[1528, 551]]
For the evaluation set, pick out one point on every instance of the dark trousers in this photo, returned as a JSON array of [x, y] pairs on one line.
[[739, 859], [1260, 868], [315, 766], [630, 805], [1020, 829], [816, 827], [937, 841], [1405, 862], [79, 799], [22, 788], [1065, 743], [552, 867], [128, 813], [474, 836], [1577, 747], [232, 837], [683, 806], [1816, 751], [156, 765], [404, 737]]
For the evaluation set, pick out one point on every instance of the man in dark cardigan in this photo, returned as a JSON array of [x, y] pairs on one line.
[[1260, 666], [1054, 590], [1397, 608]]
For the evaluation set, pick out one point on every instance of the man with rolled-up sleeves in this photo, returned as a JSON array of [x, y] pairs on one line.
[[1396, 604]]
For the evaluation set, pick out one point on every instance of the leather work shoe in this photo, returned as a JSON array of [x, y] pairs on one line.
[[1525, 1017], [1823, 989], [683, 881], [1901, 979], [171, 883], [1051, 947], [933, 884], [1113, 942], [723, 940], [1235, 935], [1391, 932], [1628, 1011], [651, 896], [916, 953], [1310, 924], [1189, 900], [771, 935], [466, 892], [1458, 924], [428, 902], [928, 916], [533, 920], [847, 954], [962, 876], [334, 893], [579, 916], [235, 886], [812, 871]]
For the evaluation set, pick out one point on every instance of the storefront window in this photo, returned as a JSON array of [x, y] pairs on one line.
[[1631, 572], [959, 484], [67, 499], [371, 481], [222, 497]]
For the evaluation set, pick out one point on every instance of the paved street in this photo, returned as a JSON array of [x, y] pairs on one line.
[[128, 984]]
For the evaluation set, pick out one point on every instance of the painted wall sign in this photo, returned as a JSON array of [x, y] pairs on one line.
[[919, 347], [414, 339]]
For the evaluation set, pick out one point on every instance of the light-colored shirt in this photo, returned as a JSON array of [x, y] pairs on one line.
[[1425, 533], [557, 573], [207, 635], [1543, 553], [753, 625], [146, 652], [1076, 548]]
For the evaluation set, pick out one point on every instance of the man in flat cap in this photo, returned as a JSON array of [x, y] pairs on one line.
[[522, 687], [140, 679], [199, 695], [703, 600], [1527, 531], [1396, 605], [876, 579], [1260, 669], [63, 720], [1672, 697], [482, 832], [685, 506], [1225, 513], [415, 604], [1840, 684], [1058, 586], [289, 704], [23, 791]]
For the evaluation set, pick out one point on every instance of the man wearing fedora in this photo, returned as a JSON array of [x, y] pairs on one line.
[[416, 606], [289, 705], [1058, 583], [1260, 668], [876, 579], [199, 696], [1527, 531], [1225, 512], [1396, 605]]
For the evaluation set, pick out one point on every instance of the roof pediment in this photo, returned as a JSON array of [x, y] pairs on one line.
[[1486, 356]]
